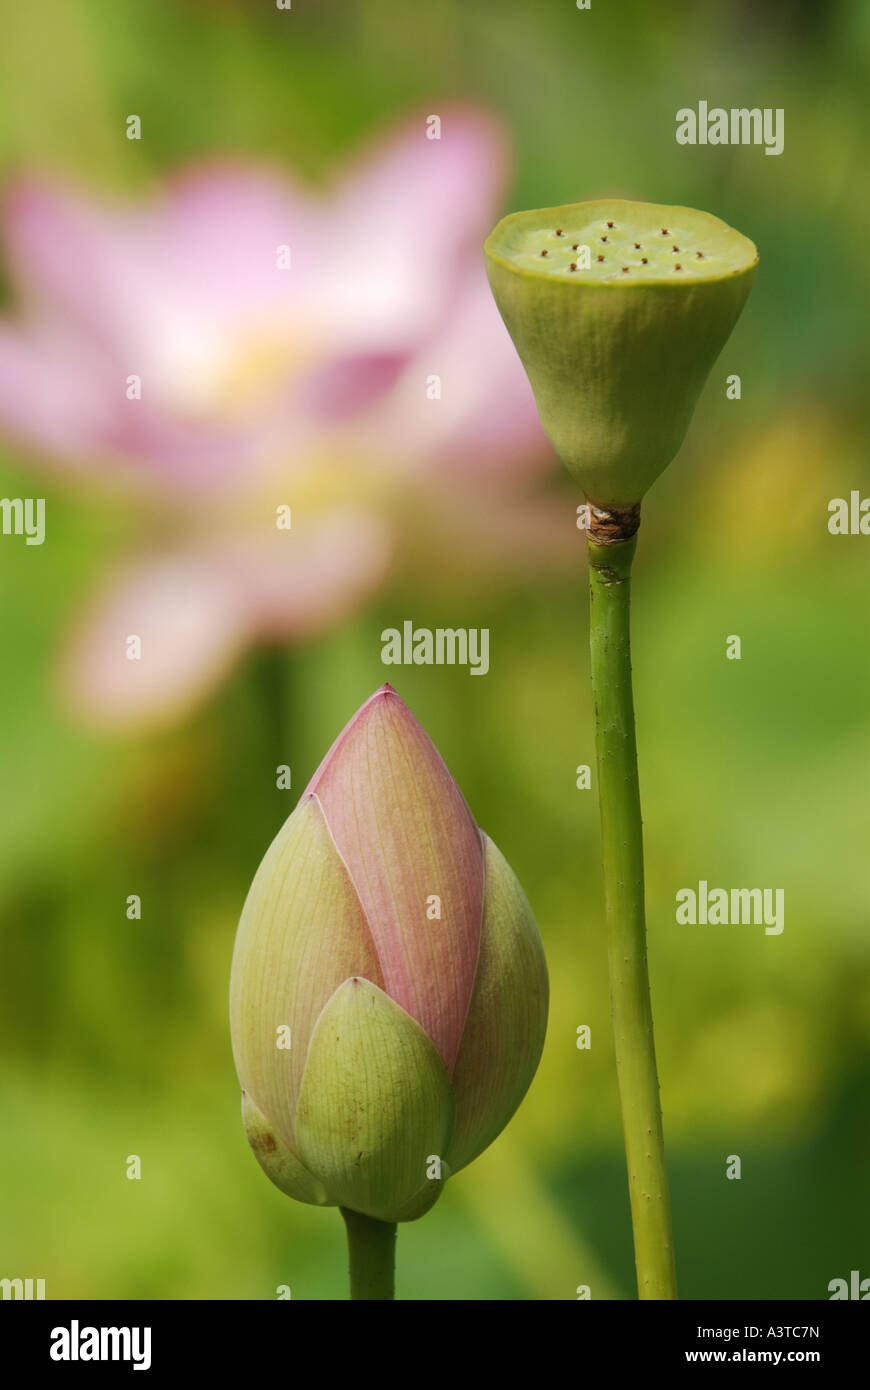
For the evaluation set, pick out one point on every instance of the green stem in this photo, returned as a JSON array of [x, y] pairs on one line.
[[372, 1248], [622, 850], [273, 674], [273, 680]]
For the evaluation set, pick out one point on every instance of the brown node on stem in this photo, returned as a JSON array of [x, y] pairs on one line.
[[611, 525]]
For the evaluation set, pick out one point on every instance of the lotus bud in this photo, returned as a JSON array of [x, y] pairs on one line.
[[389, 990], [618, 311]]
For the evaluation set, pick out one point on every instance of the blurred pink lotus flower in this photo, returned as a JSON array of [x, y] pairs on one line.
[[331, 353]]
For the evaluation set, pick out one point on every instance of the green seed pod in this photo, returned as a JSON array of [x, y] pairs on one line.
[[618, 311]]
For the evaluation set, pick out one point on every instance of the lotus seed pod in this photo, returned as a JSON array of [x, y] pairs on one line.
[[389, 992], [618, 311]]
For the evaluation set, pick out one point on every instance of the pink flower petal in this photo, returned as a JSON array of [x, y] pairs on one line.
[[484, 425], [196, 610], [62, 397], [221, 229], [191, 623], [52, 398], [406, 216], [300, 581], [407, 836], [347, 385], [79, 262], [133, 276]]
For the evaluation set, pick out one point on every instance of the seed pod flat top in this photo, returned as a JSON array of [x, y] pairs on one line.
[[627, 243], [618, 311]]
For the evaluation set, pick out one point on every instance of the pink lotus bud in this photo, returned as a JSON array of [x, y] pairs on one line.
[[389, 990]]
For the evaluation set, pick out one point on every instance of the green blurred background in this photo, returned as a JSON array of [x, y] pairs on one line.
[[754, 772]]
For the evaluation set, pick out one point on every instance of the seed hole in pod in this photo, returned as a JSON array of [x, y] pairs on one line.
[[625, 270], [543, 253], [573, 265], [643, 260], [604, 238], [678, 267], [558, 231], [610, 224], [675, 248], [637, 246], [576, 246], [664, 231], [600, 258], [700, 255]]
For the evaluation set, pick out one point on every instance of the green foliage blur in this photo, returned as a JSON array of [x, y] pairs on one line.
[[753, 772]]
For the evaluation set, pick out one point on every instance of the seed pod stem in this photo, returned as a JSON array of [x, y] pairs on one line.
[[372, 1249], [622, 854]]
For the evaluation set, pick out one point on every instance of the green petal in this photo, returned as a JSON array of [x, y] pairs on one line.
[[504, 1032], [375, 1107], [302, 931], [278, 1162], [425, 1197]]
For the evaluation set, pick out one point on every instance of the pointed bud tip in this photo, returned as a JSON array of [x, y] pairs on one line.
[[383, 693], [374, 704]]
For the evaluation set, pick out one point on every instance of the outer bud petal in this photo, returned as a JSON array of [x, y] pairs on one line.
[[278, 1162], [507, 1021], [375, 1104]]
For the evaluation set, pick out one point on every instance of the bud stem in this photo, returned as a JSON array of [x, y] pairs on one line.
[[622, 852], [372, 1248], [273, 676]]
